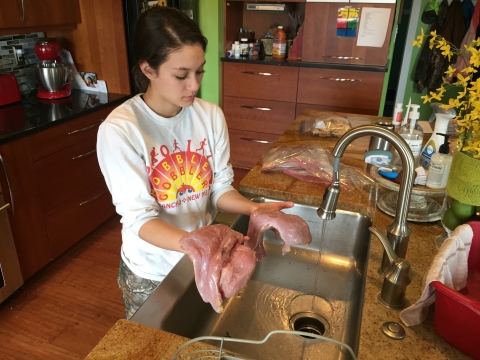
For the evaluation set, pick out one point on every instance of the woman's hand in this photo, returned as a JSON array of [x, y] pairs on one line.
[[233, 202], [275, 206]]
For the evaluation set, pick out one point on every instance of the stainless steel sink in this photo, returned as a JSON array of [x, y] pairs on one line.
[[279, 294]]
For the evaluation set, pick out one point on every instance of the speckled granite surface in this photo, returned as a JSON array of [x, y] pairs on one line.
[[128, 340]]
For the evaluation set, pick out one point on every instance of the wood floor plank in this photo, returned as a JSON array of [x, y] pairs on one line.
[[63, 311]]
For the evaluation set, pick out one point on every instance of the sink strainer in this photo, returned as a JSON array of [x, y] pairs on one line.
[[309, 322]]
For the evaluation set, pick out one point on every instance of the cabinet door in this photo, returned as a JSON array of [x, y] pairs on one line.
[[264, 116], [247, 147], [26, 215], [10, 14], [52, 12], [340, 88], [321, 43]]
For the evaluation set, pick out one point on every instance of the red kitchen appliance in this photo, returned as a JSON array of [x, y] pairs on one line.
[[52, 76], [9, 90], [457, 313]]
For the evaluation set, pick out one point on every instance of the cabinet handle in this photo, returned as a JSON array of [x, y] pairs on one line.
[[23, 12], [83, 155], [90, 200], [85, 128], [337, 79], [343, 57], [259, 73], [258, 141], [4, 207], [8, 182], [257, 108]]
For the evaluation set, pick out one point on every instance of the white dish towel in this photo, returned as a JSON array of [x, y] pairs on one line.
[[450, 267]]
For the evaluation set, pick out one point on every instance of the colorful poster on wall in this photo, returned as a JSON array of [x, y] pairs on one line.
[[347, 22]]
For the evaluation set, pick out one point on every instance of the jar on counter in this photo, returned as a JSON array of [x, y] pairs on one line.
[[244, 47]]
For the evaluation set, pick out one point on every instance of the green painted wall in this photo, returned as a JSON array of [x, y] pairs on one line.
[[211, 23]]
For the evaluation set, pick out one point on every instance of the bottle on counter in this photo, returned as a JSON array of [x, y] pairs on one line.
[[279, 48], [397, 115], [440, 164], [236, 49], [412, 133], [244, 47]]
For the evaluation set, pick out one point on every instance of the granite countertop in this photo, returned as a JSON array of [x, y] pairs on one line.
[[32, 114], [129, 340]]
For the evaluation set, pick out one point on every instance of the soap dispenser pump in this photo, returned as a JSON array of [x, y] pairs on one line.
[[440, 165], [412, 133]]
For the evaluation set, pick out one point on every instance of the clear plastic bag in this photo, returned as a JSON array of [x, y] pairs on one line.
[[326, 126], [312, 164]]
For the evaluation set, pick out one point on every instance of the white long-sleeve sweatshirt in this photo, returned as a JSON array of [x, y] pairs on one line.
[[174, 169]]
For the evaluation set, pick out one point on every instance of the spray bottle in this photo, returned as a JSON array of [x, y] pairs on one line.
[[443, 117], [412, 133]]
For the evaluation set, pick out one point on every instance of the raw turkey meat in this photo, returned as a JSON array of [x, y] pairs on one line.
[[291, 228], [222, 264]]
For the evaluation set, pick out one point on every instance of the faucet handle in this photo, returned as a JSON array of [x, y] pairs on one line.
[[398, 272]]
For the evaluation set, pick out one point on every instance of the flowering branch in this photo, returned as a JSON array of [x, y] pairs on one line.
[[467, 101]]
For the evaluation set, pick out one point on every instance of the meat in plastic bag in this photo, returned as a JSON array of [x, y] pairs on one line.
[[326, 126], [312, 164]]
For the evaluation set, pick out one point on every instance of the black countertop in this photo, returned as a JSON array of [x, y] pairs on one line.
[[269, 60], [32, 114]]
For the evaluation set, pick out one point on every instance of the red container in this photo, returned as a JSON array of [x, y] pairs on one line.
[[48, 49], [9, 90], [457, 313]]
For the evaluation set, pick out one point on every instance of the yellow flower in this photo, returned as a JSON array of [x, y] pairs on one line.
[[425, 99], [446, 51], [419, 40], [474, 57], [450, 71], [462, 81]]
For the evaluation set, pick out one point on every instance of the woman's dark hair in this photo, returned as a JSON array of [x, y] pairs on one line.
[[160, 31]]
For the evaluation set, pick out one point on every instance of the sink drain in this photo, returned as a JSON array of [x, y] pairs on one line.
[[309, 322]]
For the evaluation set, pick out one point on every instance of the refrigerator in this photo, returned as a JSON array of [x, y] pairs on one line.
[[132, 9]]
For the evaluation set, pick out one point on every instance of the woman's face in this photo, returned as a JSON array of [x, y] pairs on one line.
[[176, 82]]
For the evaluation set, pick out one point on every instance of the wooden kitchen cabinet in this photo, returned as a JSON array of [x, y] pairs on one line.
[[26, 215], [58, 191], [321, 43], [34, 13]]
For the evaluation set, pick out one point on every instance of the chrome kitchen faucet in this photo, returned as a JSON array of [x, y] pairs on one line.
[[398, 233]]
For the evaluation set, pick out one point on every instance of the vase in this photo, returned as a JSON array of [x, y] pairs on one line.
[[464, 180]]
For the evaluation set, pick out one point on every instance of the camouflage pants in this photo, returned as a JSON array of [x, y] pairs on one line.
[[135, 289]]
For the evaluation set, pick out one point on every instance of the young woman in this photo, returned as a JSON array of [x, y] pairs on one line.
[[164, 154]]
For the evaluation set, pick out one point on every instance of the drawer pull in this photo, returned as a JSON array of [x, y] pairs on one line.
[[4, 207], [90, 200], [258, 141], [343, 57], [337, 79], [8, 182], [257, 108], [83, 155], [259, 73], [85, 128]]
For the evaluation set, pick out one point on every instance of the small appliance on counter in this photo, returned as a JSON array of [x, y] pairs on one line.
[[9, 90], [52, 76]]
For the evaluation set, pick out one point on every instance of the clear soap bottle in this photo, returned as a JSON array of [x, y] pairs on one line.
[[412, 133], [440, 165]]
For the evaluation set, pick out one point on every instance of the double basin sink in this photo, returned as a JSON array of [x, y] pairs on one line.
[[279, 296]]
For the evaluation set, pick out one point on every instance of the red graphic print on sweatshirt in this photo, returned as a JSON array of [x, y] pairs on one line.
[[180, 176]]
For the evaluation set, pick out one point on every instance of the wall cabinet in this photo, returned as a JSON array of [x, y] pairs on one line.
[[58, 191], [321, 43], [34, 13]]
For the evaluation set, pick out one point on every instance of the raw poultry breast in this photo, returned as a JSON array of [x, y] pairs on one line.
[[222, 264], [291, 228]]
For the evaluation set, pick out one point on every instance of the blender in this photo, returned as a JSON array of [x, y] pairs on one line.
[[52, 76]]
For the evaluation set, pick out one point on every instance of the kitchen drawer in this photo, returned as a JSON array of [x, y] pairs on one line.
[[258, 115], [343, 88], [266, 82], [301, 107], [62, 136], [67, 172], [75, 218], [247, 147]]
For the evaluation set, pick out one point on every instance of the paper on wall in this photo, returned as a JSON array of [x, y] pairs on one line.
[[373, 27]]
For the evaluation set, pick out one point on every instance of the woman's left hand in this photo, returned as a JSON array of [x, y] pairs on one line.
[[275, 206]]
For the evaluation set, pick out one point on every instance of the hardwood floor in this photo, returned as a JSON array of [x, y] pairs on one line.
[[64, 311]]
